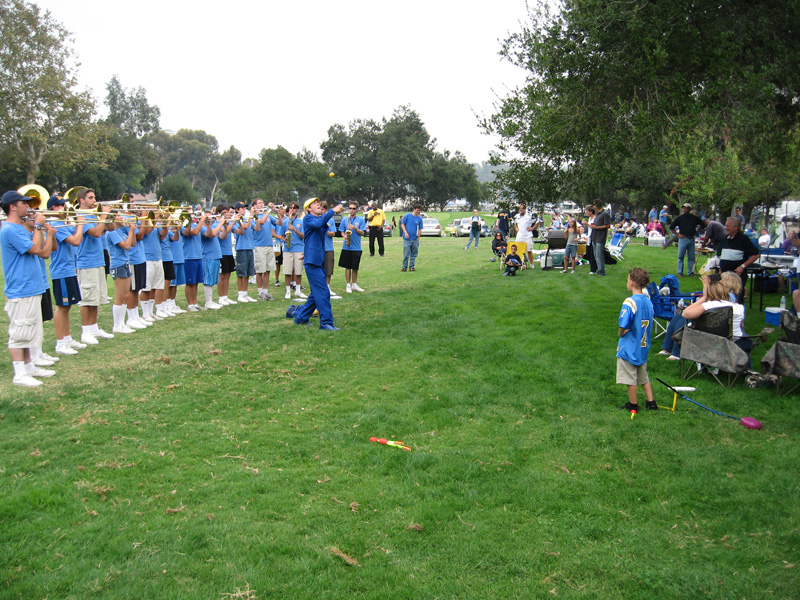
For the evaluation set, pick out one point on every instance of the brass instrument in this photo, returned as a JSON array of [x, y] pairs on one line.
[[38, 195], [72, 193], [347, 235]]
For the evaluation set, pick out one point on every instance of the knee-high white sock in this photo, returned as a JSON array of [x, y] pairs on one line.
[[118, 313]]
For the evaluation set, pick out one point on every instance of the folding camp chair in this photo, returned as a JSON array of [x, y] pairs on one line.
[[783, 359], [663, 308], [617, 250], [709, 343], [522, 252]]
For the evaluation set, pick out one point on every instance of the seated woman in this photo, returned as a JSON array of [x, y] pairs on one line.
[[499, 244], [654, 228]]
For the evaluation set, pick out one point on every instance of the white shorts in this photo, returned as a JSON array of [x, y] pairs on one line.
[[25, 316], [155, 276], [292, 263], [264, 258], [94, 289]]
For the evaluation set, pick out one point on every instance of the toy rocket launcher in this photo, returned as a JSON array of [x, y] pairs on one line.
[[385, 442]]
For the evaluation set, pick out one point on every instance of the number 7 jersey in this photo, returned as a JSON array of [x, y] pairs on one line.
[[637, 316]]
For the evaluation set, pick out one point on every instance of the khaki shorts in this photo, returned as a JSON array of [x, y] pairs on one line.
[[628, 374], [292, 263], [155, 276], [25, 316], [264, 257], [94, 290]]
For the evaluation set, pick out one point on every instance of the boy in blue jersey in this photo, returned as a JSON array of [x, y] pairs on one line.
[[635, 329]]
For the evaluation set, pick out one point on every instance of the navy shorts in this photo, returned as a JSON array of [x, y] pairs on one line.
[[169, 270], [228, 264], [66, 291], [139, 279], [193, 268], [245, 263]]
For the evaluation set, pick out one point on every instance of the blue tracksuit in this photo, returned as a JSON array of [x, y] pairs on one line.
[[315, 229]]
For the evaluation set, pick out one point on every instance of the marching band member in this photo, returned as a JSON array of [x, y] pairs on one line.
[[138, 263], [121, 238], [211, 256], [227, 263], [20, 248], [263, 253], [293, 253], [176, 245], [193, 263], [167, 264], [154, 270], [279, 224], [245, 267]]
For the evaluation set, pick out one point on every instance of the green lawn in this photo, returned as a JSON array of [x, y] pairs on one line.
[[226, 454]]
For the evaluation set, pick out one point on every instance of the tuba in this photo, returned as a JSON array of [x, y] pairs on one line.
[[36, 193]]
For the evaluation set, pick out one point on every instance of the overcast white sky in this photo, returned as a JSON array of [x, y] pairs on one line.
[[262, 74]]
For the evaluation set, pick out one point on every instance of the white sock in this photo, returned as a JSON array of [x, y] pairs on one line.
[[30, 367], [143, 305], [86, 329], [94, 327], [118, 313], [36, 352], [133, 314], [260, 291], [19, 368], [151, 306], [67, 339], [289, 288], [241, 295], [208, 292]]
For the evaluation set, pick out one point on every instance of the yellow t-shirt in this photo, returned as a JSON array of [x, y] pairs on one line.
[[376, 217]]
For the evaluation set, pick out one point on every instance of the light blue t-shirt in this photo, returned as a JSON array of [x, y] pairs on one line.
[[117, 255], [298, 245], [136, 253], [90, 252], [23, 277], [166, 247], [191, 245], [152, 245], [637, 316], [209, 245], [329, 239], [225, 246], [177, 249], [62, 260], [413, 225], [244, 237], [355, 238], [263, 237]]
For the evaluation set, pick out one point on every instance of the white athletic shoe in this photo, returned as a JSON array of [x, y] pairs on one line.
[[26, 381], [335, 297], [357, 287], [37, 372], [213, 305], [54, 359], [123, 329], [136, 324], [252, 280], [89, 339], [149, 318], [103, 335], [277, 283], [76, 345], [160, 314], [144, 322], [249, 299], [348, 289], [300, 295], [177, 310], [288, 295], [43, 362], [65, 350], [193, 309]]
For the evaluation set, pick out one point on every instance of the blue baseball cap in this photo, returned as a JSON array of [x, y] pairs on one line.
[[12, 196]]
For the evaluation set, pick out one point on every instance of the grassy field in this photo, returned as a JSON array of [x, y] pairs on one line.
[[226, 454]]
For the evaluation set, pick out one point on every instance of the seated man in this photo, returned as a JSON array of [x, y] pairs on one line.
[[512, 261]]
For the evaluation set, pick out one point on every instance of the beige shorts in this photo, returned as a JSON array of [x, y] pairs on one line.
[[94, 290], [155, 276], [628, 374], [292, 263], [25, 316], [264, 259]]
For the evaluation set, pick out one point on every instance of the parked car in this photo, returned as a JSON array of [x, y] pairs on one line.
[[431, 227], [337, 219], [466, 224], [452, 229]]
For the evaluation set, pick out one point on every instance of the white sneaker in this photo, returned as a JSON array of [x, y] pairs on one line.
[[249, 299], [76, 345], [123, 329], [54, 359], [332, 292], [156, 317], [89, 339], [334, 297], [288, 295], [149, 318], [193, 308], [144, 322], [252, 280], [232, 301], [177, 310], [65, 350], [37, 372], [103, 335], [135, 325], [277, 283], [43, 362], [300, 295], [348, 289], [26, 381], [163, 314], [357, 287], [213, 305]]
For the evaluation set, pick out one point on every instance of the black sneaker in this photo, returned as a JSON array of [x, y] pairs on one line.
[[630, 407], [651, 405]]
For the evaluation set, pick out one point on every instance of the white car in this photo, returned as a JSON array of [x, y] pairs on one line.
[[431, 227]]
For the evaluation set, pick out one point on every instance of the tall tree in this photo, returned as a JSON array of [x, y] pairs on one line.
[[43, 120], [129, 111], [609, 82]]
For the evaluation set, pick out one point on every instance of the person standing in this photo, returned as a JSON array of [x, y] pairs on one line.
[[20, 247], [715, 233], [293, 249], [685, 226], [590, 215], [91, 268], [330, 234], [263, 252], [736, 252], [475, 227], [740, 217], [663, 216], [524, 226], [66, 291], [600, 227], [245, 260], [652, 215], [502, 222], [315, 227], [635, 329], [411, 225], [352, 228], [376, 219]]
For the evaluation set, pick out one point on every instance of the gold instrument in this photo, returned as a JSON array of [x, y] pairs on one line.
[[72, 193], [38, 195]]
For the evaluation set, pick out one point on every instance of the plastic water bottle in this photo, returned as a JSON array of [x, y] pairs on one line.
[[783, 302], [681, 304]]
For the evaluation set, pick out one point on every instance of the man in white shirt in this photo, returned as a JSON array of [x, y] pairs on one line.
[[522, 221]]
